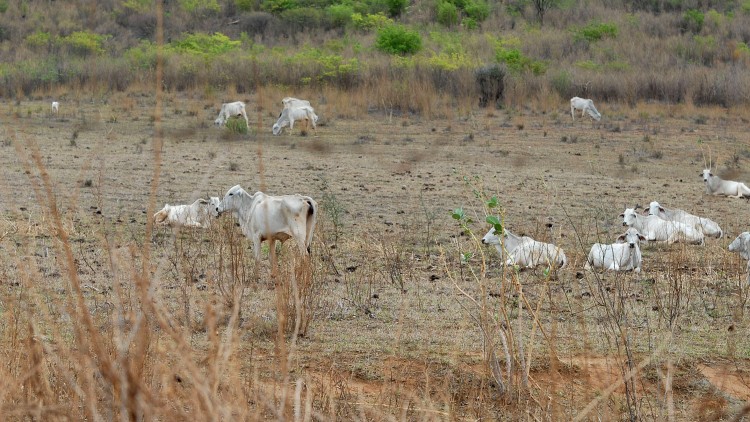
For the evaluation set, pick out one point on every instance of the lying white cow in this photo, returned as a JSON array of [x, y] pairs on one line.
[[265, 217], [586, 106], [709, 227], [228, 110], [718, 186], [197, 214], [741, 245], [291, 102], [525, 251], [289, 115], [55, 107], [624, 255], [654, 228]]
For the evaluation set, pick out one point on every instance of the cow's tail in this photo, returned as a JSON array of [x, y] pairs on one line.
[[312, 216]]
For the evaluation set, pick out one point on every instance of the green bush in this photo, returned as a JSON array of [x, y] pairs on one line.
[[478, 10], [398, 39], [396, 7], [447, 13], [278, 6], [595, 32], [204, 44], [692, 21], [139, 6], [340, 15], [143, 56], [38, 39], [245, 5], [237, 125], [193, 6], [84, 43], [517, 62], [369, 22]]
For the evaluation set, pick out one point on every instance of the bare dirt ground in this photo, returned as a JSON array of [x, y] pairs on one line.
[[391, 325]]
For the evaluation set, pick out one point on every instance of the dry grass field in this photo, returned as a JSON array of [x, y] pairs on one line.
[[403, 314]]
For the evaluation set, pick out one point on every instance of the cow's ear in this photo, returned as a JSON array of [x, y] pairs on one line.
[[620, 239], [622, 215], [661, 209], [642, 237]]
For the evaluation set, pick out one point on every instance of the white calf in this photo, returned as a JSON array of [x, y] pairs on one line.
[[197, 214], [624, 255], [265, 217], [586, 106], [718, 186], [55, 107], [289, 115], [525, 251], [709, 227], [228, 110], [654, 228]]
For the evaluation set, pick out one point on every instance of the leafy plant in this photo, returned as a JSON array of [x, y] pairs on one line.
[[369, 22], [595, 31], [447, 13], [204, 44], [398, 39], [84, 43]]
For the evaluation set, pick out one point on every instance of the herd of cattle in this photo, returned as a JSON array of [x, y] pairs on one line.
[[264, 217]]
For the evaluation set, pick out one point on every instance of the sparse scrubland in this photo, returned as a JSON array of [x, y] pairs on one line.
[[400, 313]]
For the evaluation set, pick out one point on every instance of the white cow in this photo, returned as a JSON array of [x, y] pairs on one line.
[[741, 245], [55, 107], [525, 251], [291, 102], [289, 115], [586, 106], [654, 228], [197, 214], [265, 217], [228, 110], [718, 186], [624, 255], [709, 227]]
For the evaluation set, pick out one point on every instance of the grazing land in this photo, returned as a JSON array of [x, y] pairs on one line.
[[403, 313]]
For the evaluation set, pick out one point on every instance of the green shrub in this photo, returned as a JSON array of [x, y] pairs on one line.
[[139, 6], [245, 5], [447, 13], [340, 14], [38, 39], [204, 44], [517, 62], [237, 125], [478, 10], [3, 6], [595, 32], [396, 7], [193, 6], [398, 39], [369, 22], [692, 21], [84, 43], [143, 56], [278, 6]]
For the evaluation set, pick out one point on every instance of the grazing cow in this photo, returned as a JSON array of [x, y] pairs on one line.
[[624, 255], [291, 102], [741, 245], [197, 214], [654, 228], [289, 115], [718, 186], [525, 251], [55, 107], [265, 217], [709, 227], [228, 110], [586, 106]]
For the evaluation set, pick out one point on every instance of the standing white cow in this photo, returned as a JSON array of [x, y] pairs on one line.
[[654, 228], [265, 217], [55, 107], [709, 227], [718, 186], [525, 251], [624, 255], [291, 102], [289, 115], [228, 110], [741, 245], [197, 214], [586, 106]]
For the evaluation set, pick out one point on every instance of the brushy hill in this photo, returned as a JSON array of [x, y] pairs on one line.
[[395, 53]]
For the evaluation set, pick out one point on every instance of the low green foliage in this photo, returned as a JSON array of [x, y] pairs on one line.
[[193, 6], [340, 14], [38, 39], [143, 56], [447, 13], [595, 31], [517, 62], [236, 125], [692, 21], [370, 22], [84, 43], [139, 6], [245, 5], [477, 10], [278, 6], [398, 39], [204, 44]]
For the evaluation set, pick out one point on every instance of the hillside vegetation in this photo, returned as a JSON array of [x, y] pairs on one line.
[[398, 54]]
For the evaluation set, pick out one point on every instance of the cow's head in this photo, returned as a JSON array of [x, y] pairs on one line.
[[707, 174], [741, 245], [628, 217], [219, 121], [491, 238], [654, 208], [231, 201], [213, 206], [276, 129], [631, 237]]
